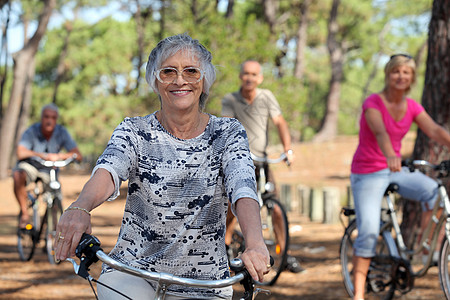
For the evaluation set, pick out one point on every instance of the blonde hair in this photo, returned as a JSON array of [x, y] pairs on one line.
[[396, 61]]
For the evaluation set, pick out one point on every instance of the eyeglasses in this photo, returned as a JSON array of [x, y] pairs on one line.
[[401, 54], [169, 74]]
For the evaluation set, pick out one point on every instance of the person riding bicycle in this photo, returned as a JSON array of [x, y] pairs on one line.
[[253, 107], [184, 168], [44, 139], [385, 120]]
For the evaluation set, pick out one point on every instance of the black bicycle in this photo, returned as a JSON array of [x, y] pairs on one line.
[[274, 222], [42, 227]]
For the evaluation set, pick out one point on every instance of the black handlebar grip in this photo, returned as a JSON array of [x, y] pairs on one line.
[[88, 246]]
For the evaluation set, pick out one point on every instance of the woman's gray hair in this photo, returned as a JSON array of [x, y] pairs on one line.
[[169, 47]]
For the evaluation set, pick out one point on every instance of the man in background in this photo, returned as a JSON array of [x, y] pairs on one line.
[[254, 107], [44, 139]]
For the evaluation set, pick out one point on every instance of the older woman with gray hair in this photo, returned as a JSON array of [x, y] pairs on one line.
[[184, 167]]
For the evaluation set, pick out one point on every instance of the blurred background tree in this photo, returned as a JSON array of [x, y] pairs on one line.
[[320, 58]]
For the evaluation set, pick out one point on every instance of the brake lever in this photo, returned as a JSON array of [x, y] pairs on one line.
[[262, 291], [76, 267], [80, 269]]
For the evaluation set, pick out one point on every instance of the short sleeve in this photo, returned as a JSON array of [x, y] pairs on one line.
[[416, 108], [273, 105], [373, 101], [239, 171], [27, 138], [67, 141], [120, 155]]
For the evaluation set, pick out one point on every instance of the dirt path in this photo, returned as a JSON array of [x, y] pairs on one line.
[[315, 244]]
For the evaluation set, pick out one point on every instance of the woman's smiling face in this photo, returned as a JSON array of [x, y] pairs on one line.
[[401, 78], [180, 94]]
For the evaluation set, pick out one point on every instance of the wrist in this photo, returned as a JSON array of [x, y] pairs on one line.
[[78, 208]]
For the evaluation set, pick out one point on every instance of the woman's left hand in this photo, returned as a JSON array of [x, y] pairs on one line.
[[257, 261], [394, 163]]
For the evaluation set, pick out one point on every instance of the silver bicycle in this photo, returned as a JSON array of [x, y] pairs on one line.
[[42, 227], [89, 252], [397, 263]]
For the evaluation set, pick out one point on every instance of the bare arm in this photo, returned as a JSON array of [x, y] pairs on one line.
[[62, 156], [24, 153], [256, 255], [74, 223], [376, 124], [285, 136], [433, 130]]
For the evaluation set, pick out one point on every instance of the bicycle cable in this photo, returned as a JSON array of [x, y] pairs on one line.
[[106, 286]]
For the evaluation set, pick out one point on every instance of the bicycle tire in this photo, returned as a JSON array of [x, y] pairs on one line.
[[53, 214], [378, 281], [444, 266], [273, 243], [27, 238]]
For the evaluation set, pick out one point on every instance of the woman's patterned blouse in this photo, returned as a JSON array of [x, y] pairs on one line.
[[178, 193]]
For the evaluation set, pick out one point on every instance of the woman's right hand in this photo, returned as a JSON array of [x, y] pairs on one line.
[[70, 228], [76, 220], [394, 163]]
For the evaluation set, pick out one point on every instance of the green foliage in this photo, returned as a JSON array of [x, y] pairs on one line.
[[98, 87]]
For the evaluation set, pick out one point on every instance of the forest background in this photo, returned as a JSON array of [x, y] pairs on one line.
[[321, 59]]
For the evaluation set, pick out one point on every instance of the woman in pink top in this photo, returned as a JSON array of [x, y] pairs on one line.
[[385, 120]]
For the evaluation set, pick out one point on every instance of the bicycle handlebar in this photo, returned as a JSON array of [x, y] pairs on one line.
[[443, 168], [89, 252], [57, 163], [265, 159]]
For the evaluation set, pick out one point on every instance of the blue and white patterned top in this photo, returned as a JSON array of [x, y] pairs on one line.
[[178, 192]]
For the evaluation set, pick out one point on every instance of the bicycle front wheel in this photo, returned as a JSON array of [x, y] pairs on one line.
[[444, 266], [276, 236], [379, 280], [52, 217], [27, 237]]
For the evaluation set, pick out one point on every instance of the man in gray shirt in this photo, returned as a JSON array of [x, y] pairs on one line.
[[45, 140], [254, 107]]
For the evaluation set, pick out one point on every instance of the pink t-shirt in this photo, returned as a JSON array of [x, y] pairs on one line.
[[368, 157]]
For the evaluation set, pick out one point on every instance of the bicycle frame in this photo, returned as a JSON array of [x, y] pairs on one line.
[[263, 185], [429, 237], [51, 196]]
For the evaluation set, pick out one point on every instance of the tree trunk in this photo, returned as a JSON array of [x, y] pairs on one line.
[[436, 93], [329, 124], [142, 16], [435, 99], [23, 61], [162, 20], [61, 69], [4, 57], [302, 37], [230, 9], [26, 105], [270, 13]]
